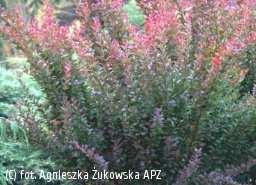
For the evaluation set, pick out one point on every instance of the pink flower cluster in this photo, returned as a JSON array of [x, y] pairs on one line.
[[244, 33], [17, 26], [96, 25], [84, 10], [117, 4], [46, 32], [160, 22]]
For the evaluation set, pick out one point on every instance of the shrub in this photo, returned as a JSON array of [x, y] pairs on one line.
[[17, 154], [248, 63], [12, 82], [132, 98]]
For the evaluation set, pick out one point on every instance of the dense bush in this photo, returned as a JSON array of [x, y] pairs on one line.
[[165, 96], [17, 154], [13, 82], [248, 62], [15, 151]]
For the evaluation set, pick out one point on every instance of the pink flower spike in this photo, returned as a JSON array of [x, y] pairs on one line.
[[116, 4], [96, 25]]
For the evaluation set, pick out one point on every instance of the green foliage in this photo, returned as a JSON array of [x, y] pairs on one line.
[[2, 3], [32, 5], [1, 49], [155, 111], [248, 61], [12, 83], [227, 118], [134, 12], [17, 154]]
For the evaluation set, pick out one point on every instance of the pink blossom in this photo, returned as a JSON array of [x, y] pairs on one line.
[[216, 63], [96, 25], [84, 10], [16, 32], [159, 22], [80, 44], [47, 32], [116, 4], [115, 50]]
